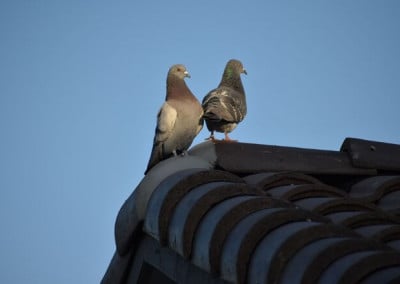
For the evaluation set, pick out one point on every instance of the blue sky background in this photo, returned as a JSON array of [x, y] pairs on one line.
[[81, 83]]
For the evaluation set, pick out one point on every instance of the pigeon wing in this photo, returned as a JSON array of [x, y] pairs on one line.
[[223, 104], [166, 119]]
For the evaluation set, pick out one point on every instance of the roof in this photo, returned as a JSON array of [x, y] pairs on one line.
[[249, 213]]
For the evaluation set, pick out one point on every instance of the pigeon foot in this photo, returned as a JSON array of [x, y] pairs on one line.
[[212, 138]]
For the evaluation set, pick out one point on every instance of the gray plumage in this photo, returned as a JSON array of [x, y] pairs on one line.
[[179, 119], [225, 107]]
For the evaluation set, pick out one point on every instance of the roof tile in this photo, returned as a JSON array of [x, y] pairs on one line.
[[248, 213]]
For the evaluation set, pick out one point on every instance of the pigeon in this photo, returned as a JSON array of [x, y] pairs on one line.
[[178, 121], [225, 106]]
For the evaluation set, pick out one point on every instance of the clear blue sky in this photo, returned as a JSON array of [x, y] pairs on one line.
[[81, 83]]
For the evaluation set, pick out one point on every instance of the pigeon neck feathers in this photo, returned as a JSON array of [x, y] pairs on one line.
[[231, 79], [177, 88]]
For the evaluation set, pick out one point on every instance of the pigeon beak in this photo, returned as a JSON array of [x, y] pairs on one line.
[[244, 71], [186, 74]]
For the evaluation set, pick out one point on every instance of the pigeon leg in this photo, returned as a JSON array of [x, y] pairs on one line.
[[212, 138], [228, 139]]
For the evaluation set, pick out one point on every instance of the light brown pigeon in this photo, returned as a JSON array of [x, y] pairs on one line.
[[179, 119], [225, 106]]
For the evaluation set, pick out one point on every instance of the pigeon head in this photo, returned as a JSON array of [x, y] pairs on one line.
[[233, 69], [176, 85], [178, 70], [231, 75]]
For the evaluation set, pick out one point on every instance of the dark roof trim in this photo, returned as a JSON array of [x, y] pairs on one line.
[[252, 158], [246, 158], [372, 154]]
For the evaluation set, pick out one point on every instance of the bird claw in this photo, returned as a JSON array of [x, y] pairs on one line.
[[228, 141], [212, 139], [181, 154]]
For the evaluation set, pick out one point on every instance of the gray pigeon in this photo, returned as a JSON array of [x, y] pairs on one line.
[[179, 119], [225, 106]]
